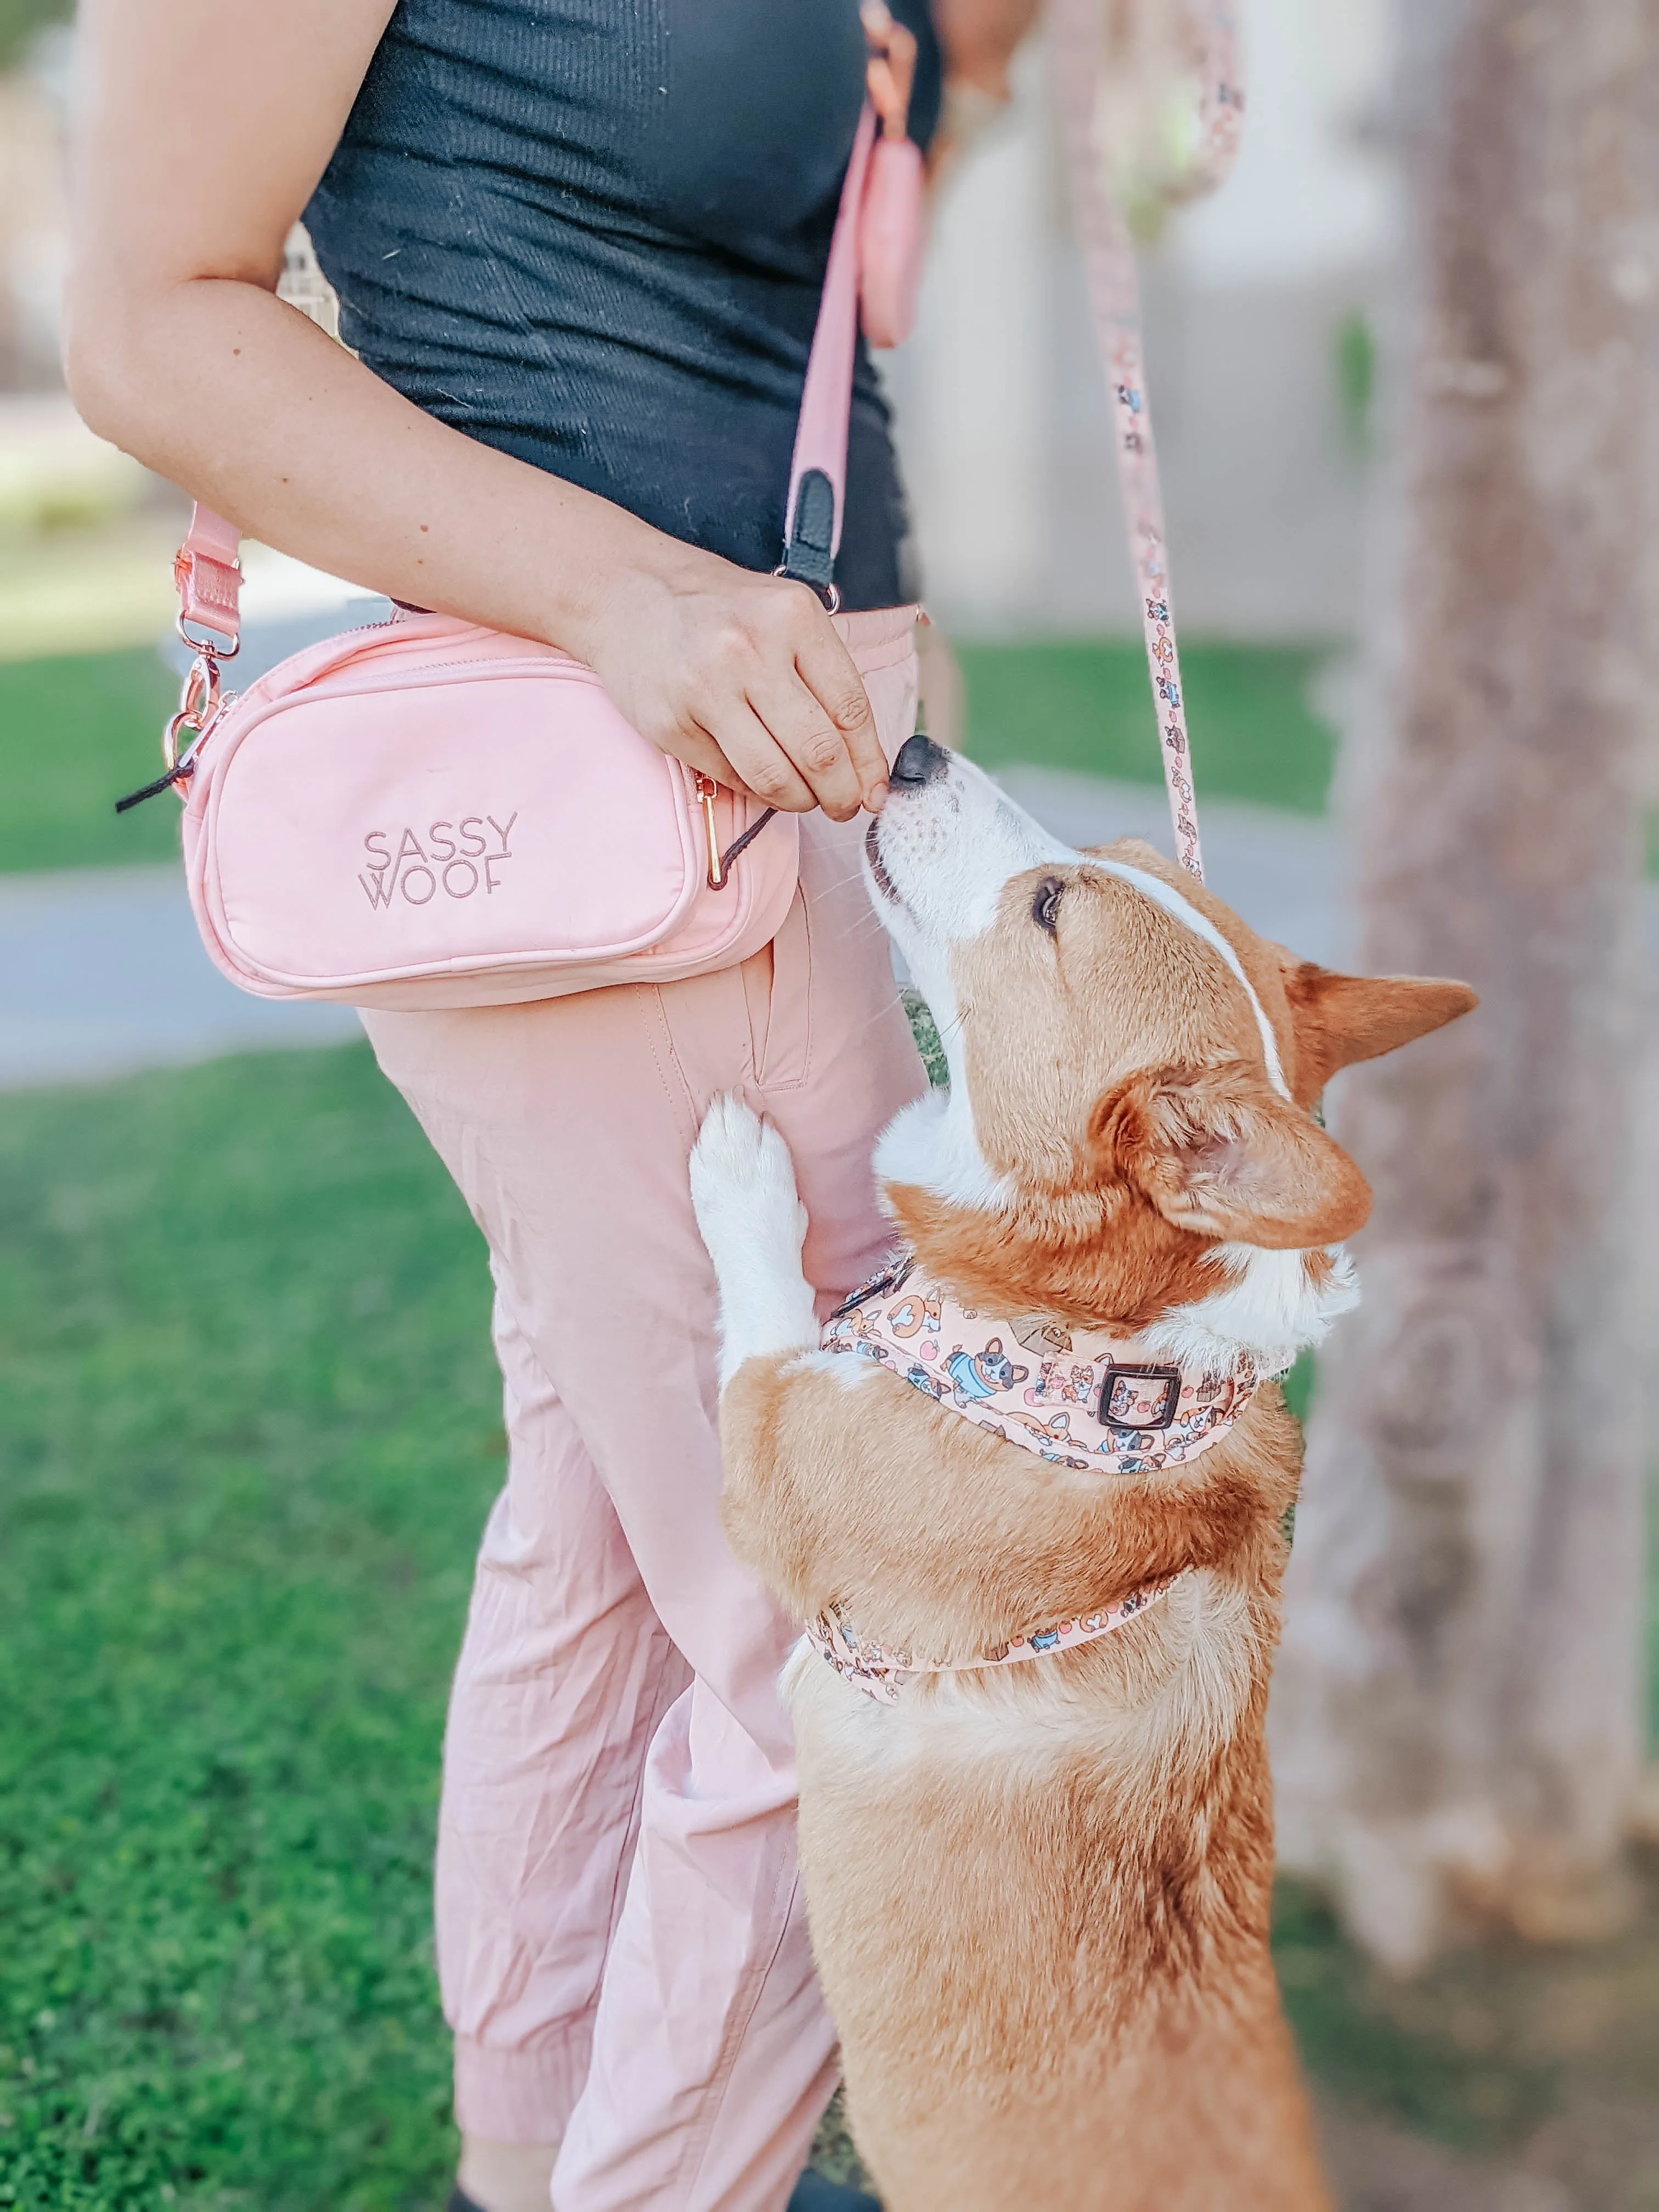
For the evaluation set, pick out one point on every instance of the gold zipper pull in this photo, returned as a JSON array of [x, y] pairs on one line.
[[706, 788]]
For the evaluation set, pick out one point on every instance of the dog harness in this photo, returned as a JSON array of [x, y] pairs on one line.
[[1077, 1397], [881, 1673]]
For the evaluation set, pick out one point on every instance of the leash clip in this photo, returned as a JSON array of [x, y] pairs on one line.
[[199, 704]]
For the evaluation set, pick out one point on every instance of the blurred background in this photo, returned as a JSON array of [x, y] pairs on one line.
[[1403, 370]]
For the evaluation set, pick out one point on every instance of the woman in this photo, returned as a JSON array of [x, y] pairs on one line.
[[579, 246]]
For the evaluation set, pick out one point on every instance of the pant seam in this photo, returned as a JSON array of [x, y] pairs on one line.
[[720, 2079], [659, 1037], [666, 1651]]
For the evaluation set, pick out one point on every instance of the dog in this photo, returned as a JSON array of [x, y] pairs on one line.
[[1035, 1823]]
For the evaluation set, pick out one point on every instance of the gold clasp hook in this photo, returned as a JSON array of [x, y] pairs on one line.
[[198, 702], [706, 788]]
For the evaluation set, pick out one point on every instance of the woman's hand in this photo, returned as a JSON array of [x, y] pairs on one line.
[[739, 675]]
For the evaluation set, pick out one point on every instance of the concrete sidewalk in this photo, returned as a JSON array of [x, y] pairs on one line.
[[102, 972]]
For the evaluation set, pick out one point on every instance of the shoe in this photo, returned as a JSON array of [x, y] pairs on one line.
[[460, 2202], [813, 2192]]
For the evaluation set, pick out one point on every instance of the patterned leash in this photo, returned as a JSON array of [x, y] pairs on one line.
[[1076, 34]]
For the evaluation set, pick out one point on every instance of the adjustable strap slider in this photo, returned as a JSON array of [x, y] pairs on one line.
[[809, 556]]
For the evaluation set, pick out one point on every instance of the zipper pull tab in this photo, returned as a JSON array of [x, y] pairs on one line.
[[706, 788]]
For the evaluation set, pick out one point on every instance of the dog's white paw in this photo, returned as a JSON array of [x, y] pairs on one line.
[[743, 1182], [742, 1191]]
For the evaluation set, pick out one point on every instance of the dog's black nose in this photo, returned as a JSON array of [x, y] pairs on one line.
[[920, 761]]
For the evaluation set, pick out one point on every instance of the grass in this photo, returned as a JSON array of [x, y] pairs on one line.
[[1084, 704], [77, 732], [251, 1428], [251, 1431], [20, 20], [74, 734]]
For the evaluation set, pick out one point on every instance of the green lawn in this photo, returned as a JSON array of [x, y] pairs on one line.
[[76, 733], [1085, 704], [251, 1429]]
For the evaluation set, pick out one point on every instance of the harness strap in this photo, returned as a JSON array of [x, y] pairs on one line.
[[881, 1673], [1108, 261]]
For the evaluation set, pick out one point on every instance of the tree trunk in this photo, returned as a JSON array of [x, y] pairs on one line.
[[1457, 1714]]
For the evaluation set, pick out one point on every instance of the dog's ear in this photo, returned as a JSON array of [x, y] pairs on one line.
[[1219, 1153], [1339, 1019]]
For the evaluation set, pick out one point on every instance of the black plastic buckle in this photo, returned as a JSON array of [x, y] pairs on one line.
[[1165, 1381]]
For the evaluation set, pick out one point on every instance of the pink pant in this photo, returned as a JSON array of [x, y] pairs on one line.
[[621, 1941]]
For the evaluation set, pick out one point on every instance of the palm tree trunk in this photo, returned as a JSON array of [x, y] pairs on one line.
[[1458, 1716]]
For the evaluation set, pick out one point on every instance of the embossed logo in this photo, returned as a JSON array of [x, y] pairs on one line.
[[455, 859]]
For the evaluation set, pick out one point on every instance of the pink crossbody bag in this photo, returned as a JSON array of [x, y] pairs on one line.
[[428, 813]]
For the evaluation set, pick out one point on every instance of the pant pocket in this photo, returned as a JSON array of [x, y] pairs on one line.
[[777, 985]]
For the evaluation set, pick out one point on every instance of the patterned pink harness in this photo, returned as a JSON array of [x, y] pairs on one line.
[[1078, 1398]]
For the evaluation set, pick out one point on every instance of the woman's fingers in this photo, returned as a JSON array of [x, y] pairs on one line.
[[825, 667], [801, 723], [699, 750], [716, 665], [759, 764]]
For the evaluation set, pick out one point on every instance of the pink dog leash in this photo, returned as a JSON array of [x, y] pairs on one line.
[[1109, 260]]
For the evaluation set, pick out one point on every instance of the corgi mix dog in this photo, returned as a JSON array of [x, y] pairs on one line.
[[1039, 1891]]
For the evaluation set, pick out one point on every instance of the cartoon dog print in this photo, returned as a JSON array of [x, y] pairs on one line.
[[1056, 1387], [1055, 1441], [977, 1375], [923, 1378], [911, 1315], [855, 1330]]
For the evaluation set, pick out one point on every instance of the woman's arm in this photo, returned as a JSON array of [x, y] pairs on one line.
[[978, 38], [204, 125]]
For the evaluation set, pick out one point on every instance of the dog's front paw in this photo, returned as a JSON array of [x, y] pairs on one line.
[[743, 1190], [743, 1184]]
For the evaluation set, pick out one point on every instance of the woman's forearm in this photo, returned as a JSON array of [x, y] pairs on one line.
[[227, 391], [219, 386]]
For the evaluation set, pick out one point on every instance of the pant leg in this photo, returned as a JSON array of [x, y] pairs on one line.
[[564, 1676], [569, 1125]]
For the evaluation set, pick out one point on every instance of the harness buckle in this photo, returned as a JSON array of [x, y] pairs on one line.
[[1137, 1397]]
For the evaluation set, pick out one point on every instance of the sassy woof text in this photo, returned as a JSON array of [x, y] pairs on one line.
[[456, 859]]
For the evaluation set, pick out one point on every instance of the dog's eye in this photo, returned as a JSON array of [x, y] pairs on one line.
[[1045, 907]]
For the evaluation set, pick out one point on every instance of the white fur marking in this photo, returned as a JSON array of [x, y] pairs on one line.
[[1271, 1306], [1170, 900], [743, 1190], [931, 1143]]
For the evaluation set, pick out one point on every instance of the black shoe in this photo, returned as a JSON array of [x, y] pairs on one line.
[[811, 2193], [814, 2193]]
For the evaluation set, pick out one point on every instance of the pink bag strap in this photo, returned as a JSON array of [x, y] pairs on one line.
[[1108, 261], [209, 574], [818, 473], [208, 577]]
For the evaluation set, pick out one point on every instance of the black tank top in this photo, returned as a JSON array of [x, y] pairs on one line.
[[593, 232]]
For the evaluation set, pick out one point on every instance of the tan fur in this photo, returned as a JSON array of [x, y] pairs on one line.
[[1039, 1896]]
